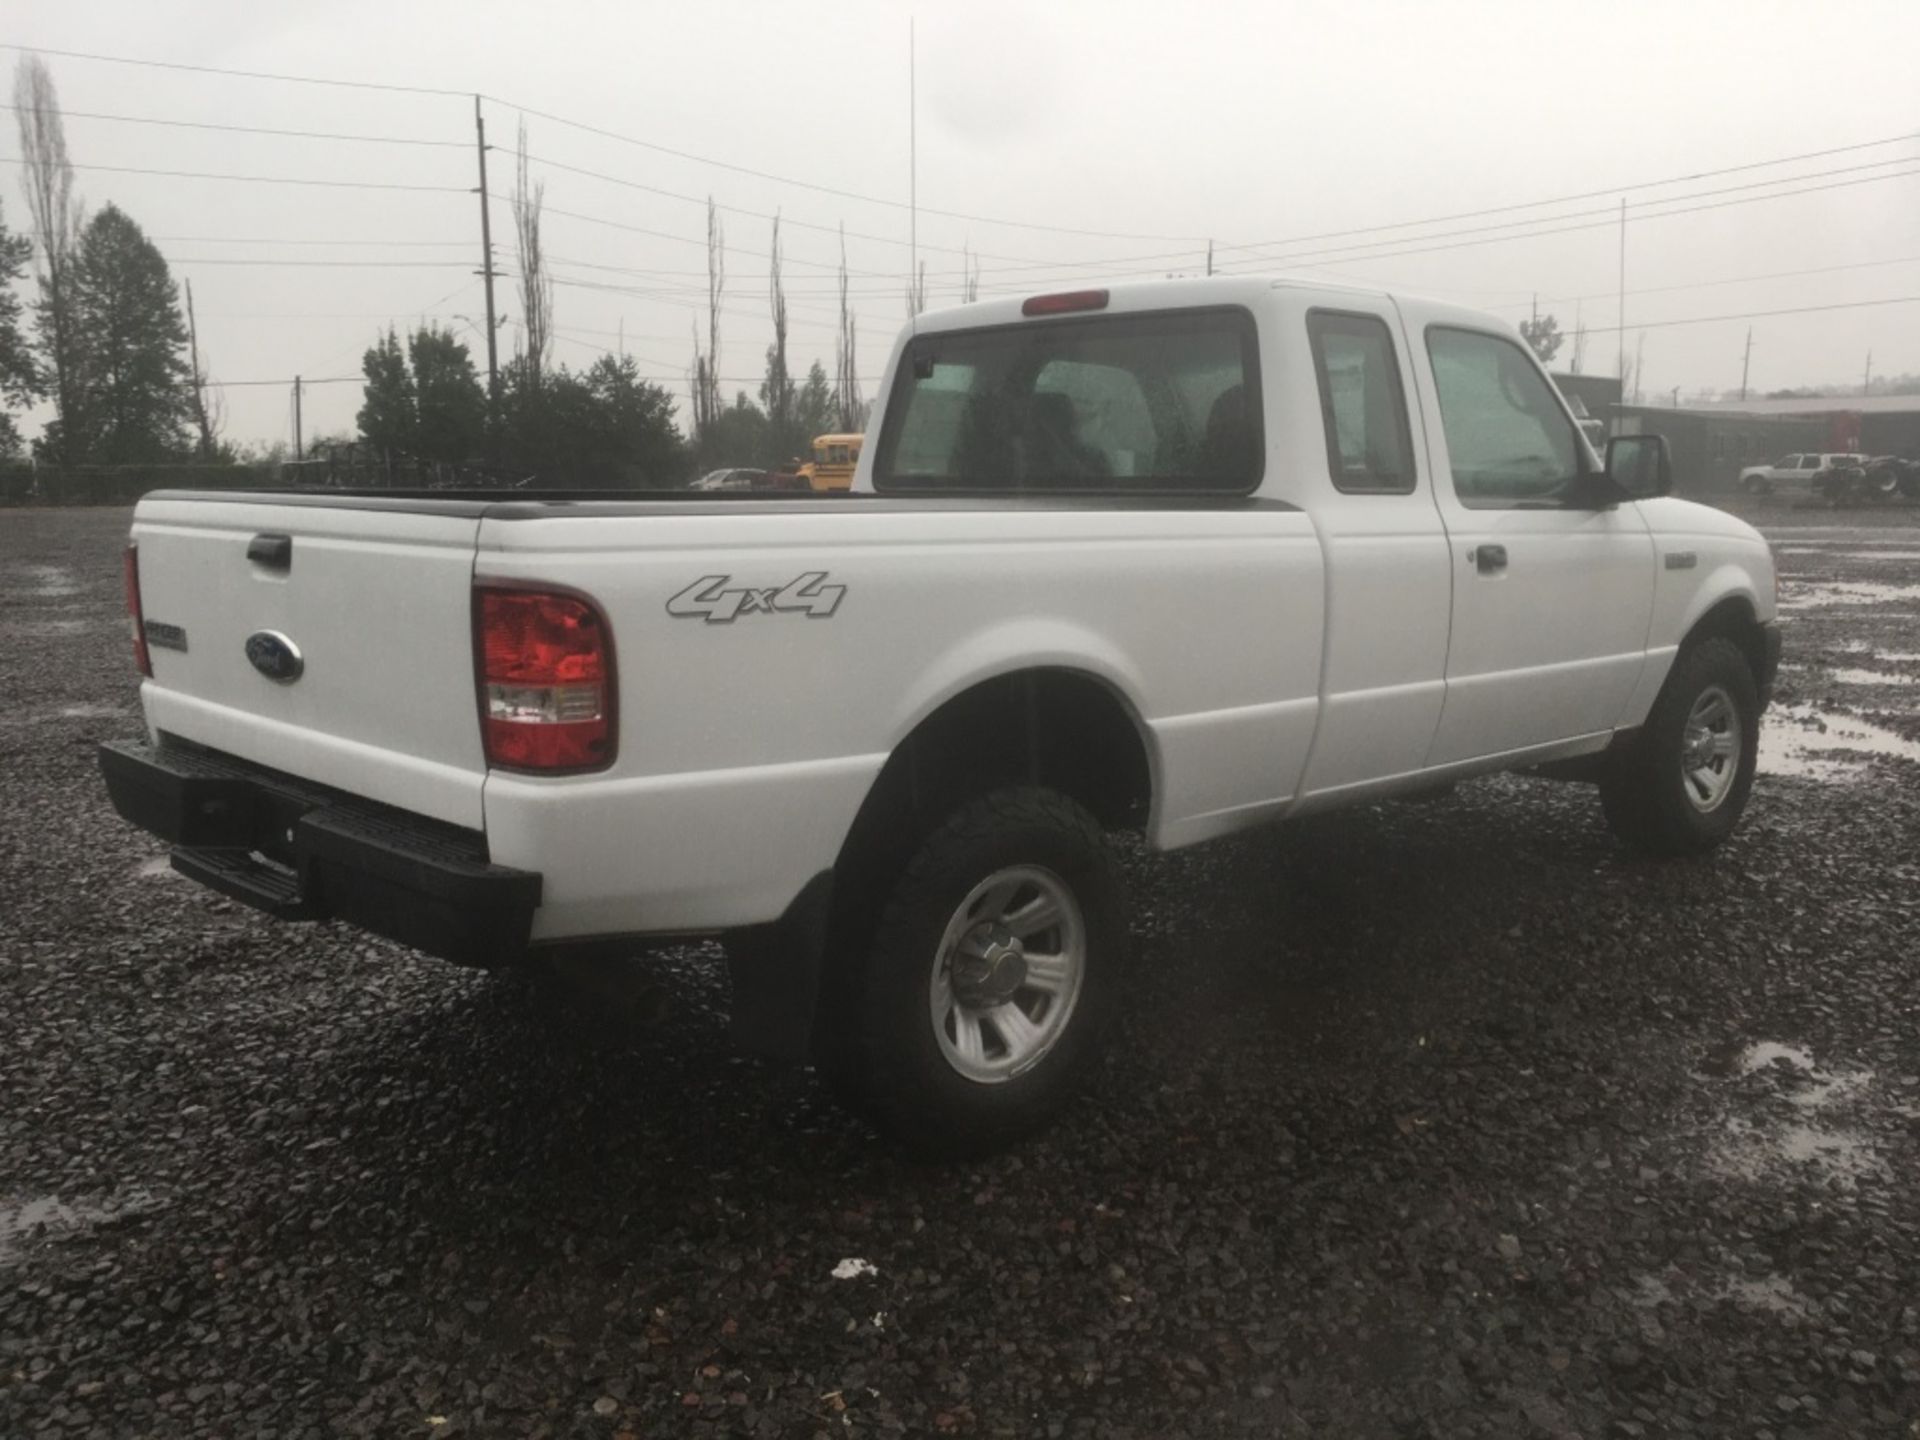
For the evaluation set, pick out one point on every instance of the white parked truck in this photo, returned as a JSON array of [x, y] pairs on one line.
[[1187, 557]]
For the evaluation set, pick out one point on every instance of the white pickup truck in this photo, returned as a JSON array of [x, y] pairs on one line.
[[1188, 557]]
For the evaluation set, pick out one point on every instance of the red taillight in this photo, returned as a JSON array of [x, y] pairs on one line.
[[140, 656], [545, 665], [1065, 303]]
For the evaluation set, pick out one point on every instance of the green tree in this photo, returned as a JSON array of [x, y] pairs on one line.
[[633, 429], [128, 394], [389, 413], [737, 434], [452, 406], [21, 382], [604, 427], [1542, 332], [814, 410]]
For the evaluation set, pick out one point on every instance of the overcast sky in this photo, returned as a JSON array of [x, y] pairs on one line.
[[1154, 125]]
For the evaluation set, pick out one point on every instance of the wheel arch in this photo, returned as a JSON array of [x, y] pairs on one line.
[[1732, 617]]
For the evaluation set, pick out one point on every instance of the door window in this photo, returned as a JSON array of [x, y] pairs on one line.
[[1509, 441], [1369, 450]]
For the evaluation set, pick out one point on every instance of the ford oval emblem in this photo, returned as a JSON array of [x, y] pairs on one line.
[[275, 656]]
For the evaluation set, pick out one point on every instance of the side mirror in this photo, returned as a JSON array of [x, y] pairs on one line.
[[1640, 465]]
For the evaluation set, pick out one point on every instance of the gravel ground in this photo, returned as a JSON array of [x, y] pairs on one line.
[[1434, 1119]]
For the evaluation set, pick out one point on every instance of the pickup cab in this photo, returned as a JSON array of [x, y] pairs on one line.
[[1797, 474], [1183, 558]]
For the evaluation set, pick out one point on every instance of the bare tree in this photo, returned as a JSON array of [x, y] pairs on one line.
[[57, 218], [536, 285], [209, 412], [779, 396], [850, 407], [706, 367]]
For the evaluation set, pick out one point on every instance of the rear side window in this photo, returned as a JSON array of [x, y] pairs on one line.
[[1369, 448], [1509, 441], [1166, 402]]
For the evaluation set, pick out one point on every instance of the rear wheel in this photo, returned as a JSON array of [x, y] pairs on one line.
[[1682, 784], [978, 1007]]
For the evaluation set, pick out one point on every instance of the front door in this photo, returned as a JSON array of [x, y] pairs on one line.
[[1551, 595]]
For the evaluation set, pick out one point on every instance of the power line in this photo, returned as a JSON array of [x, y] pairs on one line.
[[249, 129], [1730, 280], [325, 264], [575, 125], [1613, 190], [1641, 210], [276, 240], [1757, 314], [235, 74], [703, 200], [832, 189], [258, 179]]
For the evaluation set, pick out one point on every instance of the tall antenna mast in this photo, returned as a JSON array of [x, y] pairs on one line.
[[913, 180]]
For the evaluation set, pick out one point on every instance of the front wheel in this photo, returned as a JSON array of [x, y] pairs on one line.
[[980, 1002], [1680, 786]]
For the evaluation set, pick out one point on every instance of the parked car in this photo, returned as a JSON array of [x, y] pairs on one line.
[[1184, 557], [731, 479], [1794, 473]]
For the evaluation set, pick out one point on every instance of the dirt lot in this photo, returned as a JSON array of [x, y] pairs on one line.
[[1424, 1120]]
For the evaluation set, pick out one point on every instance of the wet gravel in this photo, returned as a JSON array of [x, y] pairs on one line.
[[1434, 1119]]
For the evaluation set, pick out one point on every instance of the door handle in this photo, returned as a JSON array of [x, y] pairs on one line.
[[1489, 558], [272, 552]]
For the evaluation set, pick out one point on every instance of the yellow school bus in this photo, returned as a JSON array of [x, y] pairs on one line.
[[834, 457]]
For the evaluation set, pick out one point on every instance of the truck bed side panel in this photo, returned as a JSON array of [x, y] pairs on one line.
[[751, 731]]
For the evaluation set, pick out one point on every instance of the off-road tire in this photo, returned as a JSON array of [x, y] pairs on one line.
[[891, 1065], [1643, 789]]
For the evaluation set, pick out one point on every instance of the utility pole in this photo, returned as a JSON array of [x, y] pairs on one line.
[[1209, 257], [1866, 384], [299, 450], [1746, 361], [1622, 370], [486, 261]]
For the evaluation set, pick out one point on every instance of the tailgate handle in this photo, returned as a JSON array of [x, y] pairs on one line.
[[273, 551]]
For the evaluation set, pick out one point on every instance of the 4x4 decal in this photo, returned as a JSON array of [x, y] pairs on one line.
[[711, 599]]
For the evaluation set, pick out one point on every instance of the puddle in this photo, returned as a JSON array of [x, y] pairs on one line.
[[1878, 555], [47, 1217], [1747, 1151], [54, 582], [1872, 677], [1895, 657], [1802, 740], [1801, 595]]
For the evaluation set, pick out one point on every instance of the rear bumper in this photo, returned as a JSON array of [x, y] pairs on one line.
[[301, 851]]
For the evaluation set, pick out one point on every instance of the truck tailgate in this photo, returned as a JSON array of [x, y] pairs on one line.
[[378, 604]]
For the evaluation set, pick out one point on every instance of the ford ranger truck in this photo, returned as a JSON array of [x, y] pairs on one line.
[[1182, 558]]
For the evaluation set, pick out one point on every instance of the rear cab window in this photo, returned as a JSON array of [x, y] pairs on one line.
[[1362, 405], [1163, 402]]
